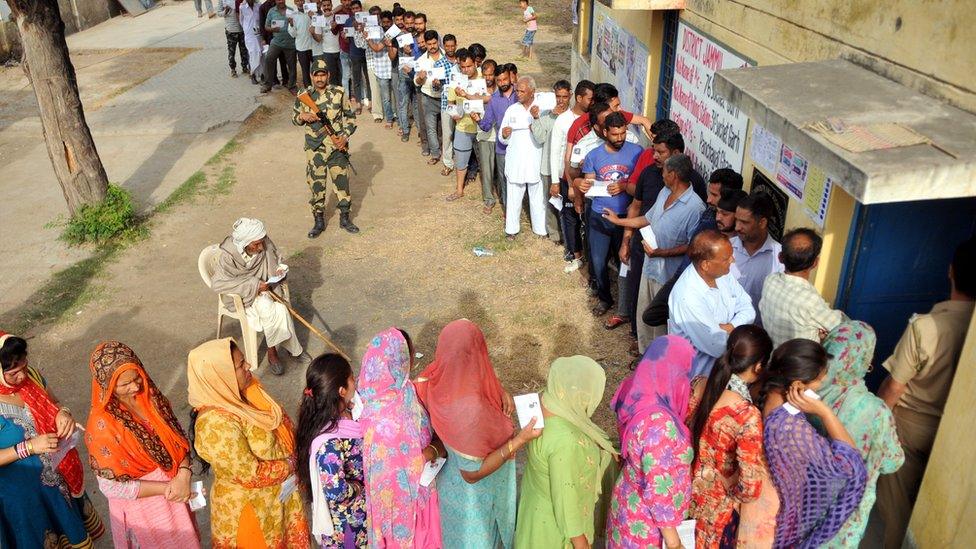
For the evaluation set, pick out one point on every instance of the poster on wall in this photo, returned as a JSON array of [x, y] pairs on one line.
[[624, 62], [765, 148], [816, 195], [714, 130], [791, 172]]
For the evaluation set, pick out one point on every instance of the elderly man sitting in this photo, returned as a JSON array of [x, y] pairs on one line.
[[247, 259]]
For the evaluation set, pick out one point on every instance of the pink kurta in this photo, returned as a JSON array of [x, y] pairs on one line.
[[147, 522]]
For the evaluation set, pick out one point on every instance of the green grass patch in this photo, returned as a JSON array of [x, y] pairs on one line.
[[225, 182], [230, 148], [66, 291], [494, 241], [187, 190]]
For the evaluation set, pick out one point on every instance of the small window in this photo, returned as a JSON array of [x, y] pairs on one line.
[[667, 63]]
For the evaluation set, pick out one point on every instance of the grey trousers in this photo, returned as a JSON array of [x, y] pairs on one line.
[[432, 109], [645, 293], [486, 159], [552, 215]]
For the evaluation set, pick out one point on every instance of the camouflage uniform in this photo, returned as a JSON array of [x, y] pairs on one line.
[[324, 161]]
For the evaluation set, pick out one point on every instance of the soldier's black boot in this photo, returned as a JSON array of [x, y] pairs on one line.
[[319, 225], [346, 224]]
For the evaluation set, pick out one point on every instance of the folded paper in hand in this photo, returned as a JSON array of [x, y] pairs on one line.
[[392, 32], [310, 7], [546, 101], [288, 488], [528, 406], [374, 33], [454, 110], [198, 501], [599, 189], [321, 21], [404, 40], [341, 18], [474, 105], [686, 533], [431, 468], [361, 16], [793, 410], [647, 233], [373, 20], [64, 446], [349, 32], [557, 202]]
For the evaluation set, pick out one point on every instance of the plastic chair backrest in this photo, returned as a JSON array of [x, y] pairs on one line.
[[207, 263]]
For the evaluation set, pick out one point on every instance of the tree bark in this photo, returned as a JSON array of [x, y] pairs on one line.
[[69, 141]]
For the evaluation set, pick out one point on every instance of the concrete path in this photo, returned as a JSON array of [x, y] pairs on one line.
[[151, 138]]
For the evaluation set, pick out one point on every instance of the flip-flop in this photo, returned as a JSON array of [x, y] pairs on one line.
[[446, 171], [615, 321], [487, 209], [453, 196], [432, 161]]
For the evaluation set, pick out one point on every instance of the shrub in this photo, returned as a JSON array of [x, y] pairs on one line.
[[113, 218]]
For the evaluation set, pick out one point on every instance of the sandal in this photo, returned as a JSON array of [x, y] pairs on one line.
[[432, 161], [600, 309], [488, 208], [446, 171], [615, 321], [453, 196]]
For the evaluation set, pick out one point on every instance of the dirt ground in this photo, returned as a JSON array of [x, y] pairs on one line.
[[411, 266]]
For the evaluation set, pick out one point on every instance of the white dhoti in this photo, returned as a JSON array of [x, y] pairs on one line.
[[254, 56], [268, 316], [537, 207]]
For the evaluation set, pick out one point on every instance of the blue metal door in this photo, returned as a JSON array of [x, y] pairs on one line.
[[898, 264]]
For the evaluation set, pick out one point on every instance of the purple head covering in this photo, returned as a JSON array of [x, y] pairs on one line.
[[659, 383]]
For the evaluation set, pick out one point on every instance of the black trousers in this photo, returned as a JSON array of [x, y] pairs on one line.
[[335, 68], [305, 62], [571, 223], [236, 40]]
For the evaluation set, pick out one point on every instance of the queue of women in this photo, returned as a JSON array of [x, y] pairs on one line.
[[748, 452]]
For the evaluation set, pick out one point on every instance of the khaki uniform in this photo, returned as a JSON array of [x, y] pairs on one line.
[[925, 360], [324, 161]]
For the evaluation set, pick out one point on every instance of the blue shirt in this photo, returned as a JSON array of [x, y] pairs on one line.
[[495, 115], [751, 270], [696, 310], [612, 167], [354, 50], [674, 226]]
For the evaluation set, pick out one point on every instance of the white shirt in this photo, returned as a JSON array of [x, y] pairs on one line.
[[557, 144], [751, 270], [523, 157], [696, 310], [330, 42], [298, 29], [251, 18]]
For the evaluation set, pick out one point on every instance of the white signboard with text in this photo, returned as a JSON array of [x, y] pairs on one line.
[[714, 130]]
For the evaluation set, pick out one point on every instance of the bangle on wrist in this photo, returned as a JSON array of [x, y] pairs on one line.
[[30, 448]]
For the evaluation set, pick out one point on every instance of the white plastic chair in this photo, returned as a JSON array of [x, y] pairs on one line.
[[207, 264]]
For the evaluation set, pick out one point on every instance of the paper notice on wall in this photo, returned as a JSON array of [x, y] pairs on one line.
[[765, 148], [791, 172], [816, 195], [714, 129]]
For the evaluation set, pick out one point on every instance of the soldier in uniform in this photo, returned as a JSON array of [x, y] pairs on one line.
[[328, 156]]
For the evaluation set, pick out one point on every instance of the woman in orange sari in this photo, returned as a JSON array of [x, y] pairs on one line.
[[247, 438], [139, 453]]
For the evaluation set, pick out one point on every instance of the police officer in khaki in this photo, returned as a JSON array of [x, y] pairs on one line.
[[922, 368], [328, 156]]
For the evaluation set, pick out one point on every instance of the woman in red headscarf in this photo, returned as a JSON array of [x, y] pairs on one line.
[[139, 452], [470, 412], [42, 485]]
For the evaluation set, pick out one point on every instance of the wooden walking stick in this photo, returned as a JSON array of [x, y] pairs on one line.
[[309, 326]]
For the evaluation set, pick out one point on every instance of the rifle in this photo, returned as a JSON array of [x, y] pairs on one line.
[[327, 128]]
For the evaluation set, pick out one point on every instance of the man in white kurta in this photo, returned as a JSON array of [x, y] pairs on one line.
[[251, 23], [523, 161], [247, 259]]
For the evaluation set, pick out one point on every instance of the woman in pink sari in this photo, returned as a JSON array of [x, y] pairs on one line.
[[396, 443]]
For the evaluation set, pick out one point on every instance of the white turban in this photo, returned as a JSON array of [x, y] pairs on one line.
[[247, 230]]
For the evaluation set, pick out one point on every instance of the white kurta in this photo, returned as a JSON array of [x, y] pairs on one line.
[[268, 316], [523, 166], [251, 23]]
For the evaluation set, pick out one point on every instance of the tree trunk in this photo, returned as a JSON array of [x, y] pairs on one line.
[[69, 141]]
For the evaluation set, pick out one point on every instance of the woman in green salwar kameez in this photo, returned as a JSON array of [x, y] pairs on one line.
[[570, 468]]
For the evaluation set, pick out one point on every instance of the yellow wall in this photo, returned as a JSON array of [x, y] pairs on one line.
[[944, 511], [645, 25]]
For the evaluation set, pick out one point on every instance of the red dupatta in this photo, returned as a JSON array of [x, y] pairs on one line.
[[462, 393]]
